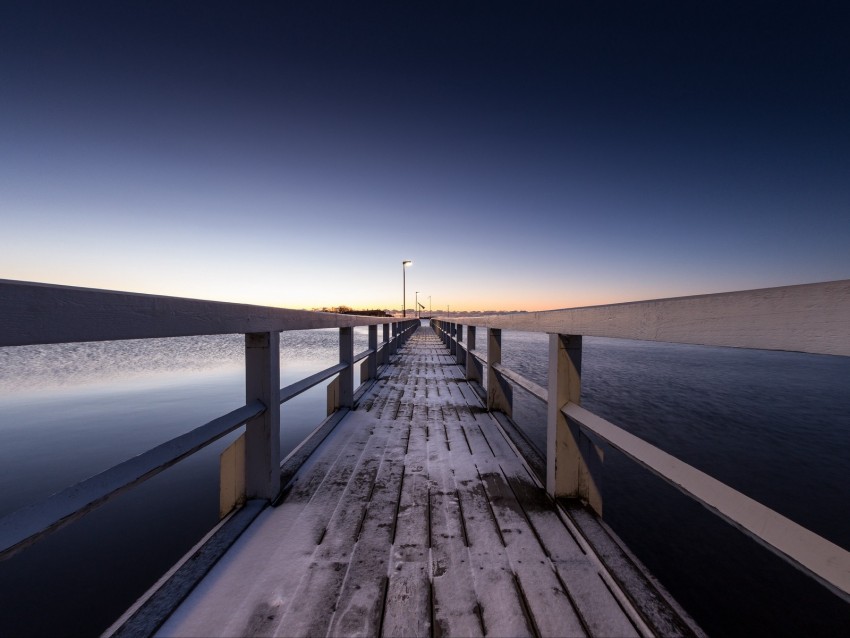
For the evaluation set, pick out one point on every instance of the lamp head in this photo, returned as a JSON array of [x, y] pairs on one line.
[[406, 263]]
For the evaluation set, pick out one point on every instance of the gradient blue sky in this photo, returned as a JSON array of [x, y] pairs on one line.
[[524, 155]]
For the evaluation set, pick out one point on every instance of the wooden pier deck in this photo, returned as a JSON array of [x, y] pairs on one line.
[[415, 517]]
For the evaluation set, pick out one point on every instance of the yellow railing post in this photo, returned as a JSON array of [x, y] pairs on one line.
[[567, 450], [499, 392]]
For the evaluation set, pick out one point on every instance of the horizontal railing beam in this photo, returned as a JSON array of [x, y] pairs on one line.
[[27, 525], [362, 355], [805, 318], [46, 313], [294, 389], [528, 385], [823, 560]]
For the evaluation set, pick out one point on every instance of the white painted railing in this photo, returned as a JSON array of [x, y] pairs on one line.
[[41, 314], [812, 318]]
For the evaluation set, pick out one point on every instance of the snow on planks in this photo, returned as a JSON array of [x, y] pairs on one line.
[[414, 518]]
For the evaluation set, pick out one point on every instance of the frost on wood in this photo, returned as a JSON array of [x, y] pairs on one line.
[[414, 517]]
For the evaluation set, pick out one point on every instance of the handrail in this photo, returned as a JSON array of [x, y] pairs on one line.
[[362, 355], [294, 389], [803, 318], [46, 313], [537, 391], [28, 524], [822, 559]]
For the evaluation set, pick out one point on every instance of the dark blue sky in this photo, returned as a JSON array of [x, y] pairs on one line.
[[524, 155]]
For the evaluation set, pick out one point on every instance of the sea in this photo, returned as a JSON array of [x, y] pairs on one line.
[[773, 425]]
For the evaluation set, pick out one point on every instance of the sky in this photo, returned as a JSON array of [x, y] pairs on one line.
[[524, 155]]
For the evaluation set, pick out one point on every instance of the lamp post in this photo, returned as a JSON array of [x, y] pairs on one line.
[[404, 264], [416, 307]]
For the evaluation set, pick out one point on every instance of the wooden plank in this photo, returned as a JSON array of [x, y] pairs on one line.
[[544, 594], [305, 450], [583, 576], [502, 607], [655, 605], [470, 396], [315, 504], [331, 556], [301, 520], [407, 611], [360, 604], [456, 608], [550, 607]]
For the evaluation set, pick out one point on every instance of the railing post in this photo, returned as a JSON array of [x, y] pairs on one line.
[[373, 358], [346, 376], [499, 392], [394, 342], [567, 450], [472, 371], [452, 342], [262, 433], [460, 353], [385, 351]]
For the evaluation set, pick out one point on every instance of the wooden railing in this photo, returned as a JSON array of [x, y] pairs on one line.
[[43, 314], [813, 318]]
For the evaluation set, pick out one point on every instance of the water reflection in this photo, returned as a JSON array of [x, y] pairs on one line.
[[69, 411]]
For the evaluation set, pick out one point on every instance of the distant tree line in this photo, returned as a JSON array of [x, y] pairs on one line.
[[345, 310]]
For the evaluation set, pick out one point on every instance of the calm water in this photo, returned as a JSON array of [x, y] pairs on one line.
[[773, 425], [70, 411]]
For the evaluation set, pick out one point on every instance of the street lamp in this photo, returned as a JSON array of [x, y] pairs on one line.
[[404, 264]]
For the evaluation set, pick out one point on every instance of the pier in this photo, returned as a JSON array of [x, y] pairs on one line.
[[417, 508], [415, 517]]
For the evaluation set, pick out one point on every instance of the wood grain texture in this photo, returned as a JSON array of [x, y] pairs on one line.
[[805, 318]]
